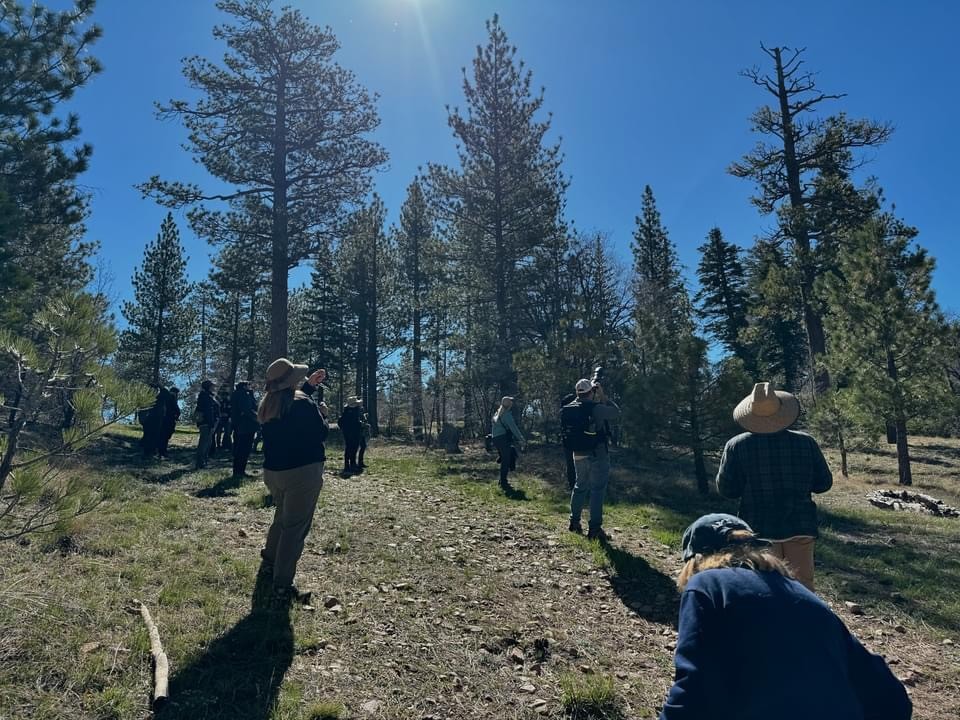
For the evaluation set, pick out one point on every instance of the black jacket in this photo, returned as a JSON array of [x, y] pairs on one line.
[[296, 439], [350, 424], [208, 408], [243, 412]]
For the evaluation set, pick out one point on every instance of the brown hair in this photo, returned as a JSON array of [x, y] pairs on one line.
[[275, 404], [735, 555]]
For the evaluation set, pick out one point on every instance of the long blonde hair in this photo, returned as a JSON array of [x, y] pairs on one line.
[[743, 556], [275, 404], [496, 415]]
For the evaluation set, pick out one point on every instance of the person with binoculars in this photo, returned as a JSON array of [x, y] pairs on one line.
[[585, 429]]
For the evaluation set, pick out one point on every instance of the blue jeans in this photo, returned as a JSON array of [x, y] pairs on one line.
[[592, 475]]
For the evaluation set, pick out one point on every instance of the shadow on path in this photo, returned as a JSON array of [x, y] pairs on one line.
[[240, 673], [642, 587]]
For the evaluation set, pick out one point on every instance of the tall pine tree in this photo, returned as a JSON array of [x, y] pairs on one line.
[[886, 330], [160, 321], [722, 297], [279, 123], [503, 200]]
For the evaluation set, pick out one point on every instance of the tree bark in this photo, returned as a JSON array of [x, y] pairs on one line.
[[372, 345], [900, 422], [279, 295]]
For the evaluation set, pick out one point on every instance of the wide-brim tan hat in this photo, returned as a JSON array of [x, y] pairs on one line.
[[354, 401], [766, 410], [283, 375]]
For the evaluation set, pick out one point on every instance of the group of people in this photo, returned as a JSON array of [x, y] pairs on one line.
[[226, 421], [754, 639]]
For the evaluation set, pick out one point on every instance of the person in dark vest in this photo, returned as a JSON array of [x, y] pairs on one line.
[[221, 437], [567, 452], [505, 434], [754, 642], [773, 471], [294, 430], [152, 419], [171, 417], [352, 430], [590, 454], [206, 417], [243, 418]]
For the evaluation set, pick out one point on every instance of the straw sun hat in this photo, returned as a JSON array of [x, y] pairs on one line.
[[766, 410], [283, 374]]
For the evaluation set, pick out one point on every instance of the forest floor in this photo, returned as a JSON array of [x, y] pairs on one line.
[[435, 596]]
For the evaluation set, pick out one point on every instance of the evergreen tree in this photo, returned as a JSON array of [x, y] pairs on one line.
[[886, 329], [322, 332], [417, 249], [284, 127], [161, 322], [502, 202], [45, 59], [804, 146], [774, 338], [722, 297]]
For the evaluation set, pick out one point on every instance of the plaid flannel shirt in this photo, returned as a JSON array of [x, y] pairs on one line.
[[774, 475]]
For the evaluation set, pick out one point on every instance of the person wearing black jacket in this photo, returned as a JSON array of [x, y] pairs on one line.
[[206, 417], [243, 416], [152, 419], [294, 429], [352, 429], [221, 437], [171, 399]]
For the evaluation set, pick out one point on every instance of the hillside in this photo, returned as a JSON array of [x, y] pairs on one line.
[[435, 596]]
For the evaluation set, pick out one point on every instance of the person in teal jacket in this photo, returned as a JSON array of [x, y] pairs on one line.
[[505, 433]]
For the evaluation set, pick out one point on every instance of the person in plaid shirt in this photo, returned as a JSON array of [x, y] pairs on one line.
[[774, 471]]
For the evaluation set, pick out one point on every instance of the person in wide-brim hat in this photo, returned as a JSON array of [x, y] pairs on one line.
[[766, 410], [284, 375], [774, 471]]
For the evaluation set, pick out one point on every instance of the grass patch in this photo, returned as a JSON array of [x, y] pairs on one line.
[[324, 711], [590, 697]]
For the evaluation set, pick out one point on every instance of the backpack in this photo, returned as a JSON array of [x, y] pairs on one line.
[[576, 427]]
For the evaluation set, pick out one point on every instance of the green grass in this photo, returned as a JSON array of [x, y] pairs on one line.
[[590, 697]]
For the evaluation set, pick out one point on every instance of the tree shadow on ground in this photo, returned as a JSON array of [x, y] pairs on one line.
[[641, 587], [515, 493], [878, 563], [240, 673]]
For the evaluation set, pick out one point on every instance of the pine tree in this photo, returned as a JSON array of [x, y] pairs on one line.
[[283, 126], [45, 59], [722, 297], [804, 146], [417, 248], [322, 333], [886, 329], [161, 322], [774, 337], [502, 202]]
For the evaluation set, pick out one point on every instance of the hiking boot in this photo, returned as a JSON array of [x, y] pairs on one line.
[[575, 527], [597, 534]]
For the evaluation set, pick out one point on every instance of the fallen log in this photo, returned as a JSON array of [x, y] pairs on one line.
[[908, 500], [161, 666]]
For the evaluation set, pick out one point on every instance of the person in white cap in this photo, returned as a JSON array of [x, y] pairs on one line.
[[584, 425], [773, 471]]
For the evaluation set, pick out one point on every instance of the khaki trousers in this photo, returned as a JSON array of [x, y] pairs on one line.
[[295, 494], [798, 552]]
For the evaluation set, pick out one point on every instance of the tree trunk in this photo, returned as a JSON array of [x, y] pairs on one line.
[[841, 443], [372, 354], [251, 336], [279, 296], [416, 400], [800, 234], [13, 438], [157, 344], [235, 341], [900, 420]]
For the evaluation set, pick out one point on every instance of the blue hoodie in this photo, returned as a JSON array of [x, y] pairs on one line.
[[758, 646]]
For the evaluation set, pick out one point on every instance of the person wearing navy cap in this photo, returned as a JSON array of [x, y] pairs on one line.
[[755, 643]]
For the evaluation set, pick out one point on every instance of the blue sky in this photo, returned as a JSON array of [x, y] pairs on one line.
[[642, 92]]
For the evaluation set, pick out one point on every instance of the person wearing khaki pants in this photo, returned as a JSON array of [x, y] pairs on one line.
[[294, 427], [774, 471]]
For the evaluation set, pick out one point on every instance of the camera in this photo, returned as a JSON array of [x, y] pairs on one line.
[[598, 376]]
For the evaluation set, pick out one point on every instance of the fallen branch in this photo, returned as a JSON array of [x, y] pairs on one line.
[[161, 666], [907, 500]]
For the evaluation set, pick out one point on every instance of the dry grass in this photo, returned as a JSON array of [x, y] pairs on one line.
[[436, 596]]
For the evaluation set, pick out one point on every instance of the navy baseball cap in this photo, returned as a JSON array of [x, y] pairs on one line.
[[711, 533]]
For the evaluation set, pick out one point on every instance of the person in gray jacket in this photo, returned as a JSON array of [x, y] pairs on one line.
[[585, 427]]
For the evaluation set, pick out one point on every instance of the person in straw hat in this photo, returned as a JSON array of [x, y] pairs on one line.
[[773, 471], [294, 429], [754, 643]]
